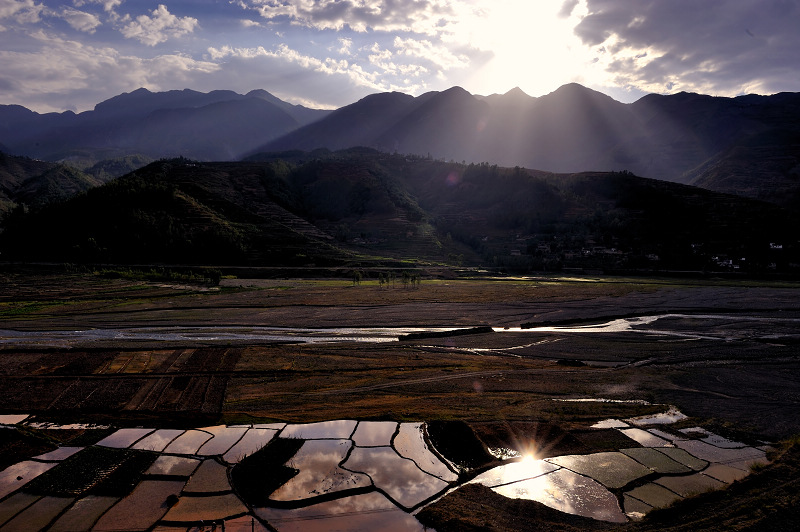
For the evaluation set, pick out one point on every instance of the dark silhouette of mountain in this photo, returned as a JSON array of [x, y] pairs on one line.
[[219, 125], [36, 183], [575, 129], [361, 207], [358, 124], [744, 145]]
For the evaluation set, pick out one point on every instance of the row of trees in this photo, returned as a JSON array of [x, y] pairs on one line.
[[384, 280]]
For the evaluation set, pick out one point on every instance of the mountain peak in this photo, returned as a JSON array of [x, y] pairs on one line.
[[516, 92]]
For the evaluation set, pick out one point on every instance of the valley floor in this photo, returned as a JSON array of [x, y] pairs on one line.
[[724, 353]]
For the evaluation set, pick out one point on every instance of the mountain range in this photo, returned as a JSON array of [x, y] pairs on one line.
[[360, 208], [747, 145]]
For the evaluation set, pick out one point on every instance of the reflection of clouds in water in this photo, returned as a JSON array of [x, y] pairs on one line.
[[188, 442], [334, 430], [223, 440], [124, 438], [568, 492], [374, 433], [368, 512], [253, 440], [410, 443], [514, 472], [318, 462], [157, 440], [398, 477], [14, 477]]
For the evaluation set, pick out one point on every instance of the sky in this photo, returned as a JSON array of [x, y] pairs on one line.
[[72, 54]]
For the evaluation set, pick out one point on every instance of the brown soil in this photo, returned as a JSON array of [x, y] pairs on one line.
[[502, 384]]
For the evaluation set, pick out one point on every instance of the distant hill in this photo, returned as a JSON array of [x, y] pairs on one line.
[[678, 138], [36, 183], [219, 125], [746, 145], [360, 207]]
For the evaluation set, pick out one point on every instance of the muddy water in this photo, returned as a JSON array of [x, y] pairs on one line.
[[688, 326]]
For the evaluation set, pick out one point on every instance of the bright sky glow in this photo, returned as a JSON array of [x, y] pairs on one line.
[[71, 54]]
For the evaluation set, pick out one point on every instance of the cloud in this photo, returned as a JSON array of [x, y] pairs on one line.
[[437, 54], [54, 73], [21, 11], [108, 5], [724, 48], [81, 20], [418, 16], [297, 74], [345, 45], [159, 27]]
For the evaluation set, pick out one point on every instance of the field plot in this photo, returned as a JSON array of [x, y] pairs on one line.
[[99, 355]]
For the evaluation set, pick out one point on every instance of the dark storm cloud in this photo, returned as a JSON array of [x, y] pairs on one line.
[[717, 46]]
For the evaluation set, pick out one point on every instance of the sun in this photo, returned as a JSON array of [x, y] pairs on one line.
[[531, 46]]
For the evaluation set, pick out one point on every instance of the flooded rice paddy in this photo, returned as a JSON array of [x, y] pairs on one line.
[[345, 475]]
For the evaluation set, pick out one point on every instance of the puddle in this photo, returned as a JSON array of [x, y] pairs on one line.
[[711, 453], [320, 474], [610, 424], [657, 461], [210, 477], [38, 515], [359, 513], [12, 419], [224, 438], [399, 478], [687, 486], [354, 475], [654, 495], [253, 440], [210, 509], [713, 439], [525, 469], [645, 438], [568, 492], [410, 443], [15, 504], [178, 466], [14, 477], [188, 442], [374, 433], [601, 400], [62, 453], [334, 430], [673, 415], [143, 508], [124, 438], [612, 469], [157, 440]]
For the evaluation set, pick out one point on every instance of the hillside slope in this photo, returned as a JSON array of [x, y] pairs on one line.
[[362, 206]]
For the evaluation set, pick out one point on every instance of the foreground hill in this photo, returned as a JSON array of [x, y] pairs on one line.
[[219, 125], [365, 207], [36, 183]]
